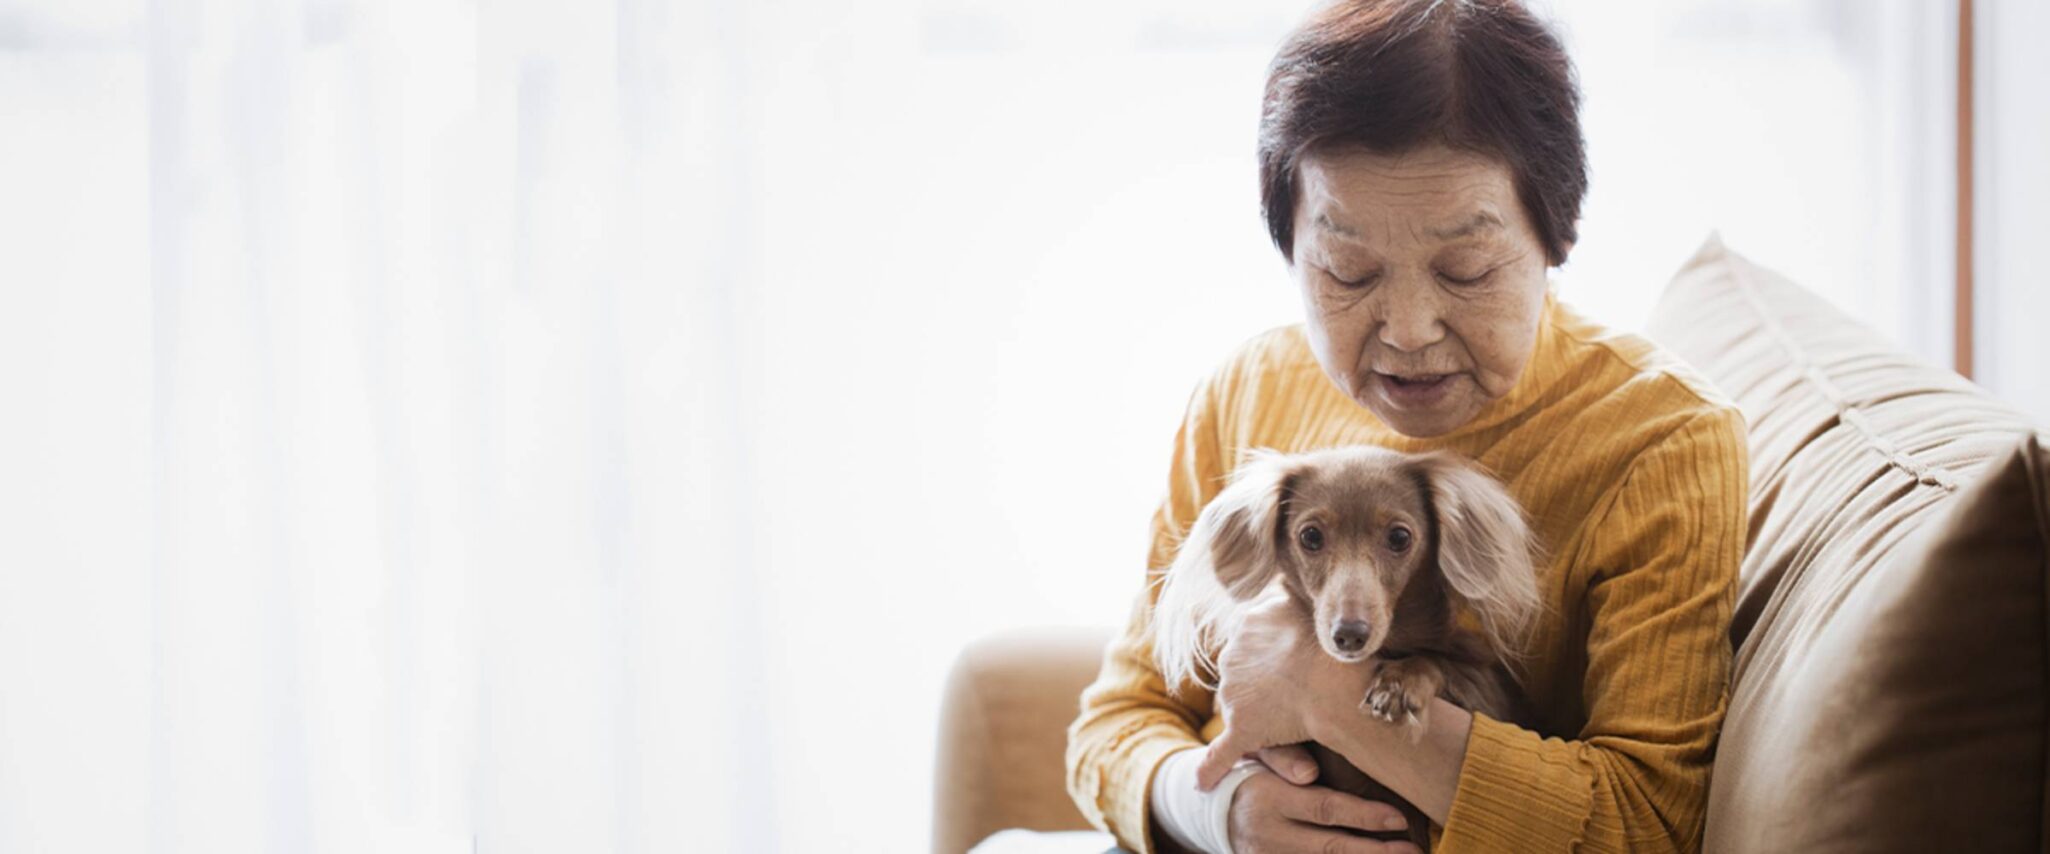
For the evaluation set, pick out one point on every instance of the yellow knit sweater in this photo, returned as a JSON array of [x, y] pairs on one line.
[[1634, 473]]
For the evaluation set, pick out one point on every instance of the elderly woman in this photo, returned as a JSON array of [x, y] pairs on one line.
[[1421, 169]]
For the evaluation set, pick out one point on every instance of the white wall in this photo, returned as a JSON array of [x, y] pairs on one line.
[[1814, 136], [2013, 184]]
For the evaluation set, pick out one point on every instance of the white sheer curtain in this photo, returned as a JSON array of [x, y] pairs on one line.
[[395, 343], [442, 427], [450, 498]]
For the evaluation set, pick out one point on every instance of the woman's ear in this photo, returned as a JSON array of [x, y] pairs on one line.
[[1228, 557], [1485, 549]]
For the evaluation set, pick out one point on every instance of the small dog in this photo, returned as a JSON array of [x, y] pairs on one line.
[[1383, 551]]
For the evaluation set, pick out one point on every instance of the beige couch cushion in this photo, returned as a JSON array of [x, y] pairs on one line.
[[1890, 686], [1004, 734]]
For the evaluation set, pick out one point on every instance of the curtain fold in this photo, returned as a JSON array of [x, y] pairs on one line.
[[434, 555]]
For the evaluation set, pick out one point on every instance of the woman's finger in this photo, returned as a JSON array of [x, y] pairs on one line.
[[1292, 761], [1309, 837], [1218, 759], [1329, 807]]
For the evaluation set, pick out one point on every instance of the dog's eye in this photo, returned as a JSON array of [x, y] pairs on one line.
[[1398, 539], [1311, 538]]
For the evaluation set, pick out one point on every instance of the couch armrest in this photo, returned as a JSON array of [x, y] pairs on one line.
[[1004, 734]]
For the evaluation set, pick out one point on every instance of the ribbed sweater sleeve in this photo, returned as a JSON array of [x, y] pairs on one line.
[[1662, 565]]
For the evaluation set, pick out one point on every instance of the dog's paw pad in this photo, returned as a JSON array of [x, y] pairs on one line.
[[1387, 703], [1391, 701]]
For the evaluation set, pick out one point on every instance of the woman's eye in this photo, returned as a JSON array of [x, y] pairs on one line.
[[1311, 538], [1359, 282], [1399, 539], [1464, 277]]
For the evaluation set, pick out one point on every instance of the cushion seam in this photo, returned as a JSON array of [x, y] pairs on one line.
[[1846, 411]]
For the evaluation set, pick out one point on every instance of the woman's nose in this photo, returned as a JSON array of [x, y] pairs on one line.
[[1411, 328]]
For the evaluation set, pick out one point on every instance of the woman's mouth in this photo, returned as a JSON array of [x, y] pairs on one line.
[[1414, 391]]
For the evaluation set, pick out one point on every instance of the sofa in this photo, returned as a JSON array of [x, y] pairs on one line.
[[1893, 662]]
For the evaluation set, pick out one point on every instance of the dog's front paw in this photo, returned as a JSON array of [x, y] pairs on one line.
[[1402, 691]]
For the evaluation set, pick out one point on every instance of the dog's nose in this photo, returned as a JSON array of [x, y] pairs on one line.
[[1350, 635]]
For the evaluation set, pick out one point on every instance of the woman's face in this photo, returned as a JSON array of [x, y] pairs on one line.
[[1423, 281]]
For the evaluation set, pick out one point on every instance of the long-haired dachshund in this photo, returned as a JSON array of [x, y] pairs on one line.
[[1384, 552]]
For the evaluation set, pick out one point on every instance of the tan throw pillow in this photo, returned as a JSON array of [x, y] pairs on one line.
[[1903, 708], [1892, 674]]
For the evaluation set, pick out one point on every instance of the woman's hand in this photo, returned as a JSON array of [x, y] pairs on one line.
[[1271, 676], [1271, 814]]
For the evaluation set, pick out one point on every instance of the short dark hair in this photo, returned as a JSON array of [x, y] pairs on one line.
[[1391, 75]]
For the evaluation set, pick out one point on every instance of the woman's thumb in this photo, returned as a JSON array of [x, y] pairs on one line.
[[1292, 761]]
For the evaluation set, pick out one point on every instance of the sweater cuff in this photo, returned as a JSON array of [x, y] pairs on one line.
[[1517, 792], [1130, 808]]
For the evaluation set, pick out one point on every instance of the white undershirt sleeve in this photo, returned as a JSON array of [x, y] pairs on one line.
[[1198, 820]]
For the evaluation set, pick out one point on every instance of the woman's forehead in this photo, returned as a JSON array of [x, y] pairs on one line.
[[1361, 197], [1480, 221]]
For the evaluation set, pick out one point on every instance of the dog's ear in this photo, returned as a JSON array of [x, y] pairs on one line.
[[1485, 549], [1230, 555], [1241, 527]]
